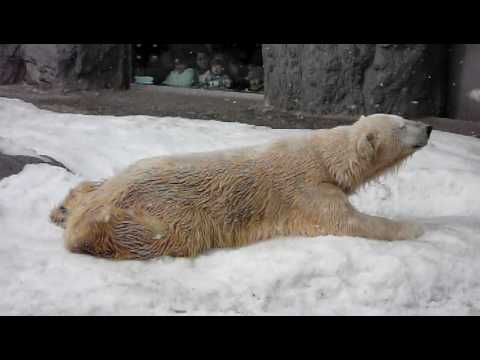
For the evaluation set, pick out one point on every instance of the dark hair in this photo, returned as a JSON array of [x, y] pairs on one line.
[[179, 60], [217, 62], [180, 57], [202, 49]]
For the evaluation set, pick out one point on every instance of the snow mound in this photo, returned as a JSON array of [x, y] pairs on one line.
[[434, 275]]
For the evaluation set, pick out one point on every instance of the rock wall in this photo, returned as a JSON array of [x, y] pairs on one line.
[[464, 82], [66, 66], [12, 67], [355, 79]]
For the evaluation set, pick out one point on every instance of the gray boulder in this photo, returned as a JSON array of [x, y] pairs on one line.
[[356, 79], [12, 67], [66, 66], [13, 164]]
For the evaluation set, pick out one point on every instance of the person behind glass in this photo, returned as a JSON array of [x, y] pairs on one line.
[[238, 73], [216, 77], [202, 65], [181, 75], [159, 66], [219, 56], [255, 78]]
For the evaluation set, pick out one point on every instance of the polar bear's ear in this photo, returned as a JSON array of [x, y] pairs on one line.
[[366, 146], [360, 118]]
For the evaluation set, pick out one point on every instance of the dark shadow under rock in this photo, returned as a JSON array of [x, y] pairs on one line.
[[13, 164]]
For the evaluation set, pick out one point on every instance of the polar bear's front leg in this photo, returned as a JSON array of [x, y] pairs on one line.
[[375, 227], [327, 210]]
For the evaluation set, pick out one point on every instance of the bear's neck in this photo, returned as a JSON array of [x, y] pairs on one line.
[[346, 169]]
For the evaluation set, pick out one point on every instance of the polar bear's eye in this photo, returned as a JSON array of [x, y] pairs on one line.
[[403, 127]]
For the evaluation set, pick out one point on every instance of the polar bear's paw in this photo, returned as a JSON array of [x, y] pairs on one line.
[[410, 231]]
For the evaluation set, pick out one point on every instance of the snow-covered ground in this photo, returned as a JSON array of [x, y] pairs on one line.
[[438, 274]]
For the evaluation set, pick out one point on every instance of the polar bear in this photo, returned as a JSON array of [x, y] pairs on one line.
[[60, 214], [183, 205]]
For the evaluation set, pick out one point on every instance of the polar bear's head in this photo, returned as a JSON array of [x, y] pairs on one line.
[[386, 138], [378, 144]]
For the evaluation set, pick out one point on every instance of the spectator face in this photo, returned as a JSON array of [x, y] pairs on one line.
[[255, 84], [217, 69], [180, 67], [202, 61]]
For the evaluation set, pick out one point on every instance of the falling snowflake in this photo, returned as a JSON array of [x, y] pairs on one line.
[[475, 95]]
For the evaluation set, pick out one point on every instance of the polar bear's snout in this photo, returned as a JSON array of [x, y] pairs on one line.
[[425, 136], [418, 134]]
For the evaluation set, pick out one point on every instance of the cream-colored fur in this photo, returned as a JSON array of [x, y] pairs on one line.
[[185, 205], [60, 214]]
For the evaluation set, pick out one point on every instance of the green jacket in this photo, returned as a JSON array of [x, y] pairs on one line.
[[185, 79]]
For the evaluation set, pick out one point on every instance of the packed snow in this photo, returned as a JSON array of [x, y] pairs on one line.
[[437, 274]]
